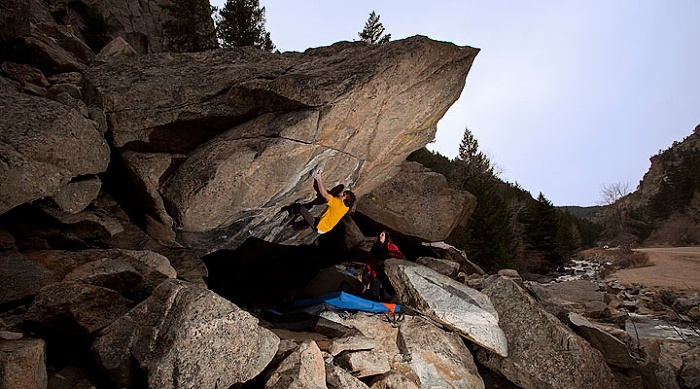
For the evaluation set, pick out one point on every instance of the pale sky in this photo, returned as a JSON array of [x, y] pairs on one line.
[[564, 97]]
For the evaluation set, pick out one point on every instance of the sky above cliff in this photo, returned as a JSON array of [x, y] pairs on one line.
[[564, 97]]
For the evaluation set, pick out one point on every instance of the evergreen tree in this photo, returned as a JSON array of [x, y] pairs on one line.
[[372, 33], [489, 238], [472, 163], [541, 230], [242, 23], [508, 228], [190, 27]]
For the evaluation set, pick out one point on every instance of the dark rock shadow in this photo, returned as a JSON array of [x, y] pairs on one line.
[[260, 275]]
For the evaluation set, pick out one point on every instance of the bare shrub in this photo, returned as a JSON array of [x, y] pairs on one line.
[[532, 263], [677, 230], [627, 258]]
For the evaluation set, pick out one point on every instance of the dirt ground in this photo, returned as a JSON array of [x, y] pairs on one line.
[[676, 268]]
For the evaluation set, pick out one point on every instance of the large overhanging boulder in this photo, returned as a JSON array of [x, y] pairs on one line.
[[241, 128]]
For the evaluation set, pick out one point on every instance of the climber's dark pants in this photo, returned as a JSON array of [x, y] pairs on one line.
[[308, 220]]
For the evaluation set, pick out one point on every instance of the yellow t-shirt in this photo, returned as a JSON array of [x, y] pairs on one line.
[[332, 215]]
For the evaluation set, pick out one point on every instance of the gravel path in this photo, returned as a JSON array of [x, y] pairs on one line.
[[676, 268]]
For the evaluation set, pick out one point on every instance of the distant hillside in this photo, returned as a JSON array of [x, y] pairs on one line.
[[665, 208], [582, 212]]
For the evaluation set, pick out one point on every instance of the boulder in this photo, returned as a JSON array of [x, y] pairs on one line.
[[364, 363], [75, 310], [49, 48], [663, 363], [303, 368], [85, 226], [116, 49], [243, 127], [463, 309], [439, 358], [442, 266], [134, 273], [562, 298], [616, 351], [21, 279], [418, 202], [44, 145], [23, 364], [449, 252], [76, 196], [354, 342], [373, 330], [145, 170], [542, 351], [339, 378], [397, 379], [24, 74], [184, 336], [689, 376]]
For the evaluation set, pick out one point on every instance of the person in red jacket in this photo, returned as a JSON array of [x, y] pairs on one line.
[[379, 287]]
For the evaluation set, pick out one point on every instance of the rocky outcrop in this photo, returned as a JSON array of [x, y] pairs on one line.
[[44, 144], [418, 202], [239, 130], [204, 150], [140, 23]]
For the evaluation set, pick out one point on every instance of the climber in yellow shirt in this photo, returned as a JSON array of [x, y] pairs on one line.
[[337, 208]]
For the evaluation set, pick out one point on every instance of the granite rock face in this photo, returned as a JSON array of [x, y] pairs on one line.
[[542, 351], [184, 336], [44, 144], [418, 202], [231, 135], [455, 305]]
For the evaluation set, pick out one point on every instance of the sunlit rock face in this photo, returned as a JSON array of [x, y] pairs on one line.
[[218, 142], [418, 202]]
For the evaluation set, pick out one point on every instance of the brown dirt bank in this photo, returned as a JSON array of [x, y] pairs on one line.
[[675, 268]]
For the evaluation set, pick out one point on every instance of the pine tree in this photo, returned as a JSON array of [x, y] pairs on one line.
[[372, 33], [489, 239], [190, 27], [242, 23], [541, 229], [472, 163]]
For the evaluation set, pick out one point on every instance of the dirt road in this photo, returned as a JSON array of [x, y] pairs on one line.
[[676, 268]]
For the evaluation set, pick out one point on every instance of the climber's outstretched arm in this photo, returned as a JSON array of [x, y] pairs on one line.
[[319, 183]]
